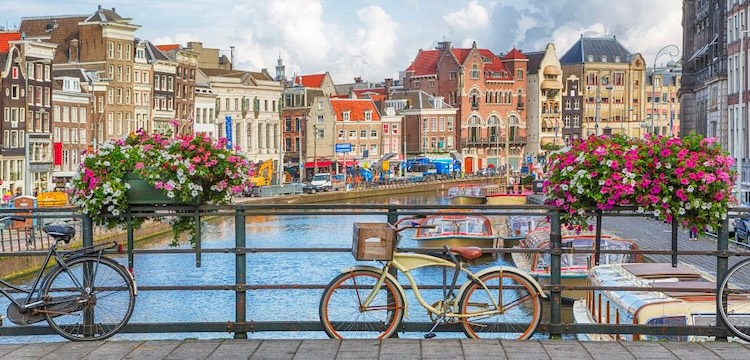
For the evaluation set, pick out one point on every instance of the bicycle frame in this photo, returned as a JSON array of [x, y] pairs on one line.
[[405, 262], [60, 258]]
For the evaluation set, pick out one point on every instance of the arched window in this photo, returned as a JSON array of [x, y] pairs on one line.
[[493, 126], [474, 128], [474, 96], [514, 124]]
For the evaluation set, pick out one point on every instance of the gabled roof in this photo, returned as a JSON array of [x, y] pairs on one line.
[[418, 99], [514, 54], [535, 60], [168, 47], [313, 81], [364, 93], [427, 60], [59, 29], [7, 36], [260, 76], [355, 107], [105, 15], [598, 48], [154, 54]]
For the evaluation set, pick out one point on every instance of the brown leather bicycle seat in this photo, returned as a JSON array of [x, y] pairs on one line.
[[467, 252]]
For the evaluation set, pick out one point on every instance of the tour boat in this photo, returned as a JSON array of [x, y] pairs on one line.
[[574, 267], [467, 194], [455, 230], [663, 308], [519, 226], [501, 198]]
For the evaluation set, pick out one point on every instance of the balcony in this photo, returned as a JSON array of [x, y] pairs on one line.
[[492, 141]]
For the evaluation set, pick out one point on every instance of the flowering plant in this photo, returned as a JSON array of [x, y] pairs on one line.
[[688, 179], [189, 168]]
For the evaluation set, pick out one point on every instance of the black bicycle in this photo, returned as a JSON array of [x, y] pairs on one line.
[[85, 296]]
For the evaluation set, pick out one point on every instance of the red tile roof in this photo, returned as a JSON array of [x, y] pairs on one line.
[[515, 54], [168, 47], [426, 62], [355, 107], [313, 81], [7, 36]]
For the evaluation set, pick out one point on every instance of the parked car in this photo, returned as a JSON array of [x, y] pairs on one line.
[[741, 227]]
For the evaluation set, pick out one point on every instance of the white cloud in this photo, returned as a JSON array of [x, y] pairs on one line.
[[472, 17]]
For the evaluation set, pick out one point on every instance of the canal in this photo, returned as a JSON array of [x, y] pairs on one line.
[[313, 231]]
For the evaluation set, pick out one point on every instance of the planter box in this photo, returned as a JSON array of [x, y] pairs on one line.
[[143, 193]]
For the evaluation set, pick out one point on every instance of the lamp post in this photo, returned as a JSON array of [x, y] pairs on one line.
[[673, 51], [315, 148], [599, 101]]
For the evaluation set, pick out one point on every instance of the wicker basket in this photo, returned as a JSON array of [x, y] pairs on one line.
[[373, 241]]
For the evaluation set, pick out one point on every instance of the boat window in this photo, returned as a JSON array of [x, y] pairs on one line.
[[667, 321]]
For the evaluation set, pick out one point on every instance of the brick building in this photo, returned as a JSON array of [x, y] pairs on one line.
[[70, 121]]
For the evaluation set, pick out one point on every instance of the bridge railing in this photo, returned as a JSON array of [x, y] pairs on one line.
[[242, 288]]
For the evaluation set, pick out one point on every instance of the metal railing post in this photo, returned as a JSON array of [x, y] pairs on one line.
[[129, 219], [392, 219], [555, 238], [674, 242], [197, 236], [722, 264], [87, 231], [87, 239], [598, 241], [240, 264]]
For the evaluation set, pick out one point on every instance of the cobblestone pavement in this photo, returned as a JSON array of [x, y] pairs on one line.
[[373, 349]]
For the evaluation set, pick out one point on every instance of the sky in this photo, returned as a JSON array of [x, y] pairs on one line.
[[375, 39]]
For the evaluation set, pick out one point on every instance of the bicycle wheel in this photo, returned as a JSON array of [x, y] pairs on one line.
[[342, 314], [519, 313], [107, 300], [734, 295]]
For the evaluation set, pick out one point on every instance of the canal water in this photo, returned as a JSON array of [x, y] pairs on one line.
[[313, 231]]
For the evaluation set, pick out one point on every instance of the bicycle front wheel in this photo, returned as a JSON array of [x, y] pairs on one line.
[[734, 295], [91, 300], [343, 314], [518, 310]]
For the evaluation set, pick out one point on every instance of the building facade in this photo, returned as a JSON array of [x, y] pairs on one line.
[[357, 122], [544, 122], [70, 121], [572, 111], [663, 105]]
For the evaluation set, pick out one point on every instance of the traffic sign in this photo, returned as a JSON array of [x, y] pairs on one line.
[[228, 129], [343, 148]]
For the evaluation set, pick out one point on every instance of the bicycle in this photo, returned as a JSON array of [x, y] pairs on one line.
[[85, 296], [496, 302], [733, 300]]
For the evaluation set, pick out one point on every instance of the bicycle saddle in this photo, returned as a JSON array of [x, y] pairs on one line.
[[467, 252], [62, 232]]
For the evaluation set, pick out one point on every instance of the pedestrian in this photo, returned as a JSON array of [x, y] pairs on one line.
[[693, 233], [511, 183]]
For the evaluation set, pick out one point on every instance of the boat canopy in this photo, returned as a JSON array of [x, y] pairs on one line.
[[455, 224], [467, 190]]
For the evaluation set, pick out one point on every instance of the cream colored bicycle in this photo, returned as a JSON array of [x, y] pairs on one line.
[[368, 302]]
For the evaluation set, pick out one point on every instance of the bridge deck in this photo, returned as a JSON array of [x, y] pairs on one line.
[[373, 349]]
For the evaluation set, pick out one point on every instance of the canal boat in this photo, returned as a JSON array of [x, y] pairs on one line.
[[455, 230], [575, 266], [467, 194], [663, 308], [501, 198], [519, 226]]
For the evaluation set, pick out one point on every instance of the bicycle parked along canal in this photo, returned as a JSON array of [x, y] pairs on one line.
[[368, 302], [84, 296], [733, 300]]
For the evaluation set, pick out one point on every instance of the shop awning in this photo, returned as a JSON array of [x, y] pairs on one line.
[[311, 165], [347, 163]]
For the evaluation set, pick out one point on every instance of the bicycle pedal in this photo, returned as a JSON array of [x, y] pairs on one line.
[[430, 335]]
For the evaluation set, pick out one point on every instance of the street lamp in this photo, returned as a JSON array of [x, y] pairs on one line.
[[673, 51], [598, 100], [315, 148]]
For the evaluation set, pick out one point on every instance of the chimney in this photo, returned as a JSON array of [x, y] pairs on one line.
[[358, 80], [73, 52], [387, 84], [444, 45]]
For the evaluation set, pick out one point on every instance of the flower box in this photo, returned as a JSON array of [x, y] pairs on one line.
[[143, 193]]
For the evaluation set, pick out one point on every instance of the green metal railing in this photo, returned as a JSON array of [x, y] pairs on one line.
[[241, 325]]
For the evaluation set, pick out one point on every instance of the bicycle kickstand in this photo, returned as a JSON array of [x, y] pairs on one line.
[[432, 334]]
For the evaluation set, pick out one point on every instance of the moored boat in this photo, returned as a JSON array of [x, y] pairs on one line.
[[663, 308], [501, 198], [467, 194], [574, 266], [456, 230], [519, 226]]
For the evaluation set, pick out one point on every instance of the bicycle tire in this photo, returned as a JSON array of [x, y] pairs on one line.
[[110, 306], [340, 309], [519, 297], [738, 301]]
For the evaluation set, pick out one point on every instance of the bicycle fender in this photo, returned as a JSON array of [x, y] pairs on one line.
[[389, 276], [509, 269]]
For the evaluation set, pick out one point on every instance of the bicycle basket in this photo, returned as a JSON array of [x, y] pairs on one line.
[[373, 241]]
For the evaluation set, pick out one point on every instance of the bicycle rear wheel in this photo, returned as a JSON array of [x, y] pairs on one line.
[[91, 300], [343, 316], [734, 295], [520, 307]]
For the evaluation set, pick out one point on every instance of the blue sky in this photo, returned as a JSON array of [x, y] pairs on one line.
[[376, 39]]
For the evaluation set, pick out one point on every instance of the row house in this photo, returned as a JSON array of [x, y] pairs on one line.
[[298, 98], [612, 85], [357, 122], [26, 159], [544, 121], [165, 71], [143, 89], [488, 92], [425, 125], [103, 44], [184, 84], [247, 111], [714, 92], [572, 112], [70, 121], [205, 108]]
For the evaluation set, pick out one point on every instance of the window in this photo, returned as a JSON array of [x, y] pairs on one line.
[[345, 116], [110, 50], [128, 51], [452, 75], [363, 134], [119, 50], [450, 123], [65, 114], [127, 73], [385, 129], [30, 71], [74, 114], [14, 91], [394, 129], [352, 135], [31, 95], [368, 115], [82, 115], [373, 134], [47, 96], [519, 74], [474, 71], [342, 134], [56, 113], [47, 71]]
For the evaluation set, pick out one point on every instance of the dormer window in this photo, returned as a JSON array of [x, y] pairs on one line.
[[368, 115], [604, 58], [617, 59], [345, 115], [591, 58]]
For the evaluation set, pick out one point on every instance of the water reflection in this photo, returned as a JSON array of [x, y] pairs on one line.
[[306, 231]]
